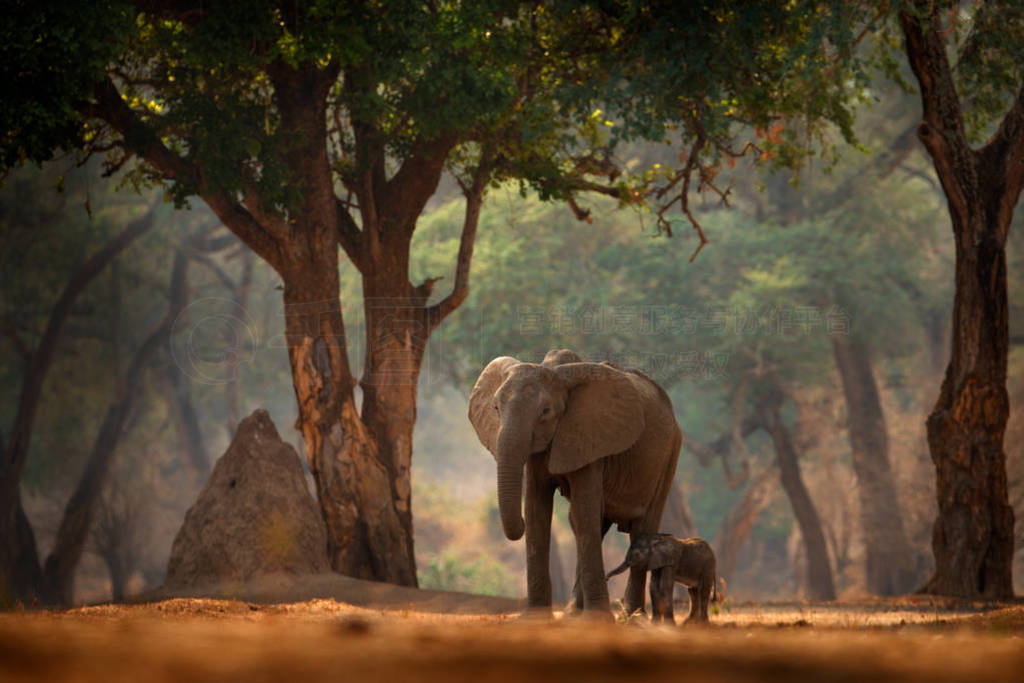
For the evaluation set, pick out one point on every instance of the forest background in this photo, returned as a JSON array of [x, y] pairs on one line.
[[852, 261]]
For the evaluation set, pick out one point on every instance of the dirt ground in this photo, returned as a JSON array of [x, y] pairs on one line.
[[387, 634]]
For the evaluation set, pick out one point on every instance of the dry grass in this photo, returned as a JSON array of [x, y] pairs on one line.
[[209, 639]]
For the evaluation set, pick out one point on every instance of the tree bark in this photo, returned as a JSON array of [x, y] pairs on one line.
[[365, 536], [819, 571], [20, 573], [972, 539], [889, 557], [57, 585]]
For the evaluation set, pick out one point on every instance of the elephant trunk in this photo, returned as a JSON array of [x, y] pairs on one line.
[[618, 570], [511, 458]]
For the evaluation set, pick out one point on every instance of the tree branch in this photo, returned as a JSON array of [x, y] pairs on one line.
[[350, 237], [142, 140], [942, 131], [417, 178], [1006, 148], [474, 201], [218, 272]]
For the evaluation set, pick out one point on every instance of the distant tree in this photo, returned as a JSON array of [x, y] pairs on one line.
[[118, 533], [20, 572]]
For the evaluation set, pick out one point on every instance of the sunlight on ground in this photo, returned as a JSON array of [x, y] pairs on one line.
[[201, 639]]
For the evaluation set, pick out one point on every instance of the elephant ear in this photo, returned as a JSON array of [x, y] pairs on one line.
[[481, 402], [603, 416]]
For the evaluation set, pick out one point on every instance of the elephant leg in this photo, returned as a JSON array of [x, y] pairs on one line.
[[662, 583], [656, 600], [695, 602], [649, 523], [585, 513], [707, 584], [577, 593], [540, 491], [634, 597]]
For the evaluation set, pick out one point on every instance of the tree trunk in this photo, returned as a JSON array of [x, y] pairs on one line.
[[365, 533], [20, 573], [890, 559], [973, 535], [819, 572], [186, 422], [117, 571], [740, 520], [59, 570], [241, 294]]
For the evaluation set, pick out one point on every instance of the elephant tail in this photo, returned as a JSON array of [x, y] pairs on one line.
[[618, 570]]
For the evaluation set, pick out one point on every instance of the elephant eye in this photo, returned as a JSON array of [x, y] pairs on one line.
[[495, 406], [546, 410]]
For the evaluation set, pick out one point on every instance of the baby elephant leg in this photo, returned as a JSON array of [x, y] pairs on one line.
[[694, 592], [661, 595], [700, 596]]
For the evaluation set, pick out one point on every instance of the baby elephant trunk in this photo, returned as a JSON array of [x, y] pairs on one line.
[[618, 570]]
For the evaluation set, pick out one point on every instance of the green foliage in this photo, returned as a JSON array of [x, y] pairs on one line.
[[990, 60], [984, 44], [51, 53], [481, 574], [717, 77]]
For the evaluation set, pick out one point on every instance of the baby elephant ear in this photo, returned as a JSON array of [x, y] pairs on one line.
[[481, 402], [662, 554], [603, 416]]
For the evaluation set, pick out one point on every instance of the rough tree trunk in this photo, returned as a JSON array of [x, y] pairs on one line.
[[890, 559], [360, 462], [973, 536], [365, 536], [819, 571]]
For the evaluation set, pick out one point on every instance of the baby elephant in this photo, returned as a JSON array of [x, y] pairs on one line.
[[689, 561]]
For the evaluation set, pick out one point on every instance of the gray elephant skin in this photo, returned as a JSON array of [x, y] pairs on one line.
[[689, 561], [607, 438]]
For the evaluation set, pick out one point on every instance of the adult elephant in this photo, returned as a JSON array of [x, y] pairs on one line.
[[606, 437]]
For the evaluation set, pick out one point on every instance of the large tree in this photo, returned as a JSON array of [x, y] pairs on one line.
[[307, 128], [973, 535]]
